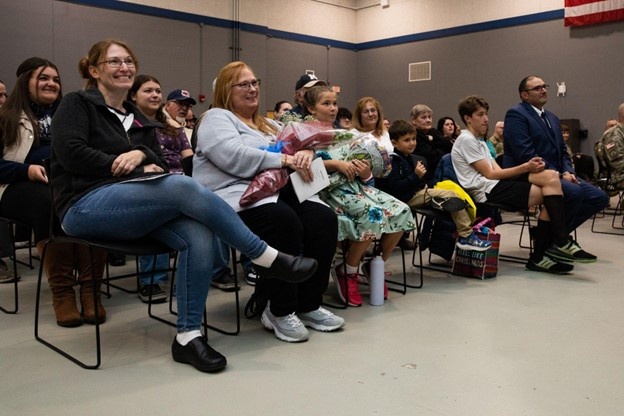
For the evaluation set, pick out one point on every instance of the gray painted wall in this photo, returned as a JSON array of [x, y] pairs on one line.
[[492, 63], [489, 63], [166, 48]]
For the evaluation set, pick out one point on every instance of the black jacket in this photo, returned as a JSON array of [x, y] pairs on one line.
[[402, 183], [432, 150], [87, 138]]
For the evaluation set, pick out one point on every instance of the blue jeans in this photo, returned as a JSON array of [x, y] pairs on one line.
[[221, 258], [147, 264], [180, 213], [582, 201]]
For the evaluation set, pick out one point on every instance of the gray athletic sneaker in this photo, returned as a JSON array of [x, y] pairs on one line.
[[287, 328], [321, 320]]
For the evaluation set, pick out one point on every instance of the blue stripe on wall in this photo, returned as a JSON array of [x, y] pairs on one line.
[[280, 34], [462, 30]]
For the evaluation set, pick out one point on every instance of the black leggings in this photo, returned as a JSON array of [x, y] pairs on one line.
[[306, 228]]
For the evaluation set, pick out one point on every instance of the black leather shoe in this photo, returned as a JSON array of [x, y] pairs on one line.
[[198, 354], [289, 268]]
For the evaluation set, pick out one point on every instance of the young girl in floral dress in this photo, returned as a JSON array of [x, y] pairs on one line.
[[364, 212]]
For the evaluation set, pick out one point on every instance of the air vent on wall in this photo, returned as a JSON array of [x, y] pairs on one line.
[[420, 71]]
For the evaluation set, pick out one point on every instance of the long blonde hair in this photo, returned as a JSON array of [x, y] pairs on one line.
[[223, 92]]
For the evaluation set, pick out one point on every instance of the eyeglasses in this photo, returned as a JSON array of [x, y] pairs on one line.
[[538, 88], [116, 62], [245, 86], [4, 94]]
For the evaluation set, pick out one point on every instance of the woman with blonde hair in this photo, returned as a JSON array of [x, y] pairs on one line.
[[231, 151]]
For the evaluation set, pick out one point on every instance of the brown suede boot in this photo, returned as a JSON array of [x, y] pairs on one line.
[[86, 278], [59, 266]]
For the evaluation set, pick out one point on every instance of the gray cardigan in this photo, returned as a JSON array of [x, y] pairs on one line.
[[229, 154]]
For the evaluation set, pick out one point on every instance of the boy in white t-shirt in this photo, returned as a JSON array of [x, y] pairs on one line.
[[518, 187]]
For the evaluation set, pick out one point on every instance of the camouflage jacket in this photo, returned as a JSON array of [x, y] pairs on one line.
[[613, 146]]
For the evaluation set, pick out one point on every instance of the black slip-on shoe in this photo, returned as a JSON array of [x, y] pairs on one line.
[[291, 269], [198, 354]]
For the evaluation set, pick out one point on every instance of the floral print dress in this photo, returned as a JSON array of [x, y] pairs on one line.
[[364, 212]]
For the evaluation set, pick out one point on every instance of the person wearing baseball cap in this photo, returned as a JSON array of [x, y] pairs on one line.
[[304, 83], [179, 103]]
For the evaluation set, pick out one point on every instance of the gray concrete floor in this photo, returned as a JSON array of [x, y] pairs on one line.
[[523, 343]]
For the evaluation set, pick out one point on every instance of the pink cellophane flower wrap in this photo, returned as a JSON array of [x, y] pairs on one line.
[[293, 137]]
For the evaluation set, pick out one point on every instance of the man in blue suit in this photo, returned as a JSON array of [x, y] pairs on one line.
[[532, 131]]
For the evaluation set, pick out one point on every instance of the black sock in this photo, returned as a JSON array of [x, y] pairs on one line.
[[556, 211], [542, 238]]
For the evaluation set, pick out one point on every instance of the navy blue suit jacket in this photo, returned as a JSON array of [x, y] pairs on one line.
[[526, 136]]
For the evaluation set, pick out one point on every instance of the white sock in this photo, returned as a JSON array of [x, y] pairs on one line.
[[352, 269], [186, 337], [267, 258]]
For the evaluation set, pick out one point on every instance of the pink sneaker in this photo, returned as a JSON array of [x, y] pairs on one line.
[[347, 286]]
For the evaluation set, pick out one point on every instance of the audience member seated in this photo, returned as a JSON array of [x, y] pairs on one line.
[[231, 151], [281, 107], [611, 123], [532, 132], [364, 212], [301, 86], [565, 133], [177, 109], [497, 138], [25, 124], [406, 182], [6, 271], [343, 118], [446, 127], [613, 144], [519, 187], [110, 182], [191, 120], [429, 142], [368, 118], [386, 124], [146, 94]]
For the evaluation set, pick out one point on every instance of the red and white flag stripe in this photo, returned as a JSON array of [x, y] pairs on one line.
[[589, 12]]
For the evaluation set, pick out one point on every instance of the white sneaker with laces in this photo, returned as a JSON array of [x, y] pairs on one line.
[[321, 320], [287, 328]]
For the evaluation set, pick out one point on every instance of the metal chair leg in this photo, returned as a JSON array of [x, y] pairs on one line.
[[49, 344]]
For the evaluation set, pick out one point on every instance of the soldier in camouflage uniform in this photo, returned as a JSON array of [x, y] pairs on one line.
[[612, 148]]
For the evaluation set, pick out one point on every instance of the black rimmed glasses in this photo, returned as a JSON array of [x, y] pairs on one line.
[[245, 86], [538, 88], [116, 62]]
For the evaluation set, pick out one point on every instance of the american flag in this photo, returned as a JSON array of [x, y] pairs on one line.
[[589, 12]]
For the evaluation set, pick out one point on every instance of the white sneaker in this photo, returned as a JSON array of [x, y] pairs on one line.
[[287, 328], [321, 320]]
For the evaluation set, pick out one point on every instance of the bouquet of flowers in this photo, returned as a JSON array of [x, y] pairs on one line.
[[292, 138], [362, 147]]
